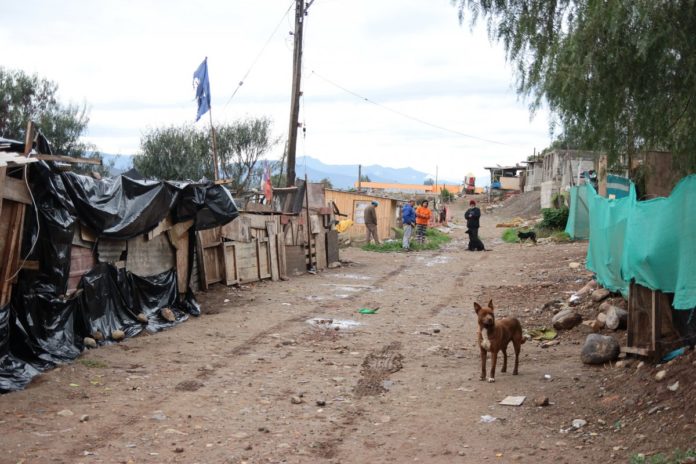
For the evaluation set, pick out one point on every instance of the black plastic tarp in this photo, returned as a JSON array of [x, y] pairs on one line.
[[41, 327]]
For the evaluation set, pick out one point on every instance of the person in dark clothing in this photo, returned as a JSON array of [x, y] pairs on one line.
[[370, 216], [472, 216]]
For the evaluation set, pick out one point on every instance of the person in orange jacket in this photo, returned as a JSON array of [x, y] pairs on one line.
[[422, 218]]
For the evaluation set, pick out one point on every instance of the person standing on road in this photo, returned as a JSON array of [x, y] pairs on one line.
[[472, 216], [422, 219], [370, 216], [408, 217]]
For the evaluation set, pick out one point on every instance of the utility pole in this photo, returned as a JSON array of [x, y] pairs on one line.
[[300, 13], [359, 177]]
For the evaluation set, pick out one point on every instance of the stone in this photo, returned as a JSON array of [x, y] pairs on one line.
[[674, 387], [617, 318], [605, 306], [141, 317], [168, 315], [566, 320], [579, 423], [65, 413], [158, 416], [599, 349], [334, 265], [296, 400], [541, 401], [89, 342], [118, 335], [599, 294], [596, 326], [602, 318], [321, 403], [574, 265], [97, 335], [660, 375], [84, 418], [179, 449]]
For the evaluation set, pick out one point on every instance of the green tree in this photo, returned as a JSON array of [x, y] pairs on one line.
[[365, 178], [26, 98], [428, 181], [185, 153], [327, 183], [446, 196], [619, 76]]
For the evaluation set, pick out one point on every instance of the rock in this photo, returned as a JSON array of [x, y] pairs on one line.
[[660, 375], [179, 449], [574, 265], [541, 401], [601, 317], [604, 307], [97, 335], [321, 403], [596, 326], [579, 423], [640, 364], [118, 335], [334, 265], [84, 418], [296, 400], [248, 447], [599, 349], [89, 342], [674, 387], [141, 317], [65, 413], [158, 416], [168, 315], [566, 320], [617, 318], [600, 294]]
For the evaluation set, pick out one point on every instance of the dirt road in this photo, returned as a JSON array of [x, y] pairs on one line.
[[253, 381]]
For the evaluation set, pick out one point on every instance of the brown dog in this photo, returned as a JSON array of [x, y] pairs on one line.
[[495, 336]]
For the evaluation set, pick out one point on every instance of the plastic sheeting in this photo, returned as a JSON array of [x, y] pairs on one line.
[[652, 242], [40, 327], [578, 225]]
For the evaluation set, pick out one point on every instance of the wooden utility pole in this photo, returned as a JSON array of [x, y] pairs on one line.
[[300, 11], [359, 177]]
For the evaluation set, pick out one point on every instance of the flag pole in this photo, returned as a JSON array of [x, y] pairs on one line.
[[212, 135]]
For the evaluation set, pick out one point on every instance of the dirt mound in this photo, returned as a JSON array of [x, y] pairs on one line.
[[524, 205]]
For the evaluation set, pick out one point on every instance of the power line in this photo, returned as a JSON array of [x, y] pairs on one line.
[[241, 82], [405, 115]]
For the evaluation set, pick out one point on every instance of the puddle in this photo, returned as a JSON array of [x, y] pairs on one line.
[[353, 276], [329, 323], [354, 288]]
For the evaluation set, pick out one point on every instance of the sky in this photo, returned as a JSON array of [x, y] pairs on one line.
[[400, 83]]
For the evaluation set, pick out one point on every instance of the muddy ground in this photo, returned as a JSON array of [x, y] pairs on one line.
[[253, 381]]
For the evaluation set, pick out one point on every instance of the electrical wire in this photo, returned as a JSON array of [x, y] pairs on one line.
[[253, 63], [405, 115]]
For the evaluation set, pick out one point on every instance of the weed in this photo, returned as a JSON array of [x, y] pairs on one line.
[[677, 457], [510, 236], [93, 363], [434, 239]]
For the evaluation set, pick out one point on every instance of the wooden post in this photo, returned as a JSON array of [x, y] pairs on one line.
[[212, 133], [309, 225]]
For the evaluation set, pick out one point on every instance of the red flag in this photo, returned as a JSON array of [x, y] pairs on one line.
[[266, 182]]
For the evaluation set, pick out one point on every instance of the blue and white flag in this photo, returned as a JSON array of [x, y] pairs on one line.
[[202, 86]]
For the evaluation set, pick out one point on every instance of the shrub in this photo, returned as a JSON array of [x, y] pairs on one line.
[[554, 218]]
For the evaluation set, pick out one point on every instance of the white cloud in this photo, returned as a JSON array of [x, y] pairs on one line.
[[132, 62]]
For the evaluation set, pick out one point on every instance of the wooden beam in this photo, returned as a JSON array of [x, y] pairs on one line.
[[15, 190], [69, 159]]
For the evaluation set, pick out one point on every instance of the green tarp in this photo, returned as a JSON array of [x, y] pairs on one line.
[[653, 242]]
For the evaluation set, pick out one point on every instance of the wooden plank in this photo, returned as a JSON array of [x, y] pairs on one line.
[[247, 262], [69, 159], [264, 259], [634, 350], [31, 265], [180, 242], [10, 255], [164, 225], [273, 249], [282, 266], [16, 190], [231, 267]]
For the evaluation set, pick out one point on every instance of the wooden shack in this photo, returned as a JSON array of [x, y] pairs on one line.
[[353, 204]]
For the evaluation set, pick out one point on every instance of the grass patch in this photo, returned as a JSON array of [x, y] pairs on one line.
[[434, 239], [560, 236], [93, 363], [510, 236], [677, 457]]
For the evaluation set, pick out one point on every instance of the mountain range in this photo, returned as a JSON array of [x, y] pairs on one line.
[[342, 176]]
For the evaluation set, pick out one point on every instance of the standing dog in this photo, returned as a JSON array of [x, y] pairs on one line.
[[531, 235], [495, 336]]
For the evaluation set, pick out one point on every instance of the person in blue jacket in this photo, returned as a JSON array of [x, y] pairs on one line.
[[408, 217]]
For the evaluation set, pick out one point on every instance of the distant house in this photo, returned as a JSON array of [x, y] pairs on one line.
[[383, 187], [506, 177], [562, 169], [352, 205]]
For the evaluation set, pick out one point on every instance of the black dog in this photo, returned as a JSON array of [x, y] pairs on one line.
[[531, 235], [475, 243]]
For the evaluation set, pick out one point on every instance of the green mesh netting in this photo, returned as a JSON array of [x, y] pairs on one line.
[[653, 242], [578, 225]]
